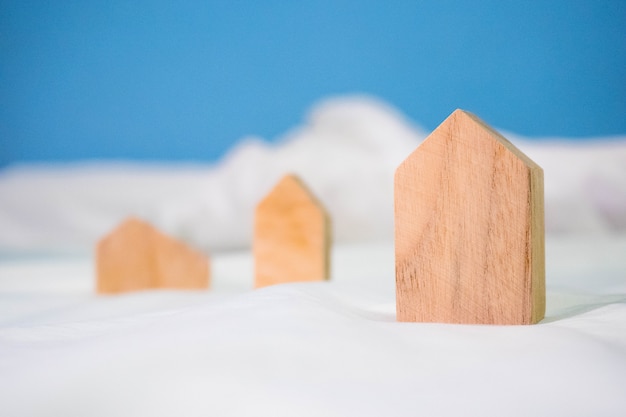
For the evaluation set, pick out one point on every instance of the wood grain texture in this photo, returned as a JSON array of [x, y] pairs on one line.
[[291, 236], [136, 256], [469, 229]]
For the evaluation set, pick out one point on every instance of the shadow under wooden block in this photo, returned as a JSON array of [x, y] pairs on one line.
[[135, 256], [291, 236], [469, 229]]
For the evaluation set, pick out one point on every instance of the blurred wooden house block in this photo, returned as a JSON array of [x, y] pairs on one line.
[[136, 256], [469, 229], [291, 236]]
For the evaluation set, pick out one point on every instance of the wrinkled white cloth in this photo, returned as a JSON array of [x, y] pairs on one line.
[[346, 151], [310, 349]]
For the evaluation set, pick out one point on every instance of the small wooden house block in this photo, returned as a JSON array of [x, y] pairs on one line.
[[469, 229], [136, 256], [291, 236]]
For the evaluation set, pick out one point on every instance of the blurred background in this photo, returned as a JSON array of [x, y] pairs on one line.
[[185, 113], [185, 80]]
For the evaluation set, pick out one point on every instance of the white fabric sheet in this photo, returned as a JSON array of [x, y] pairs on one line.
[[311, 349]]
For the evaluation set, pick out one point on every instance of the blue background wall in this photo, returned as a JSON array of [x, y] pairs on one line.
[[185, 79]]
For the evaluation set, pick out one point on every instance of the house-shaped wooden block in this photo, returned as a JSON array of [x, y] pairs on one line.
[[469, 229], [136, 256], [291, 236]]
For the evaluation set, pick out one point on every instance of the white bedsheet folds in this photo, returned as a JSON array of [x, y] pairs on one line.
[[320, 349]]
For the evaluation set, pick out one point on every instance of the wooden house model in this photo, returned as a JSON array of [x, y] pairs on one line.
[[136, 256], [469, 229], [291, 236]]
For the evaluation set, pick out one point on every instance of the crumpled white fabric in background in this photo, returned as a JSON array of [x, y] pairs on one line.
[[347, 151]]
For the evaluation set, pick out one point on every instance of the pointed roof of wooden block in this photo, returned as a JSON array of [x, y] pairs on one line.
[[290, 189], [136, 256], [133, 228], [468, 123]]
